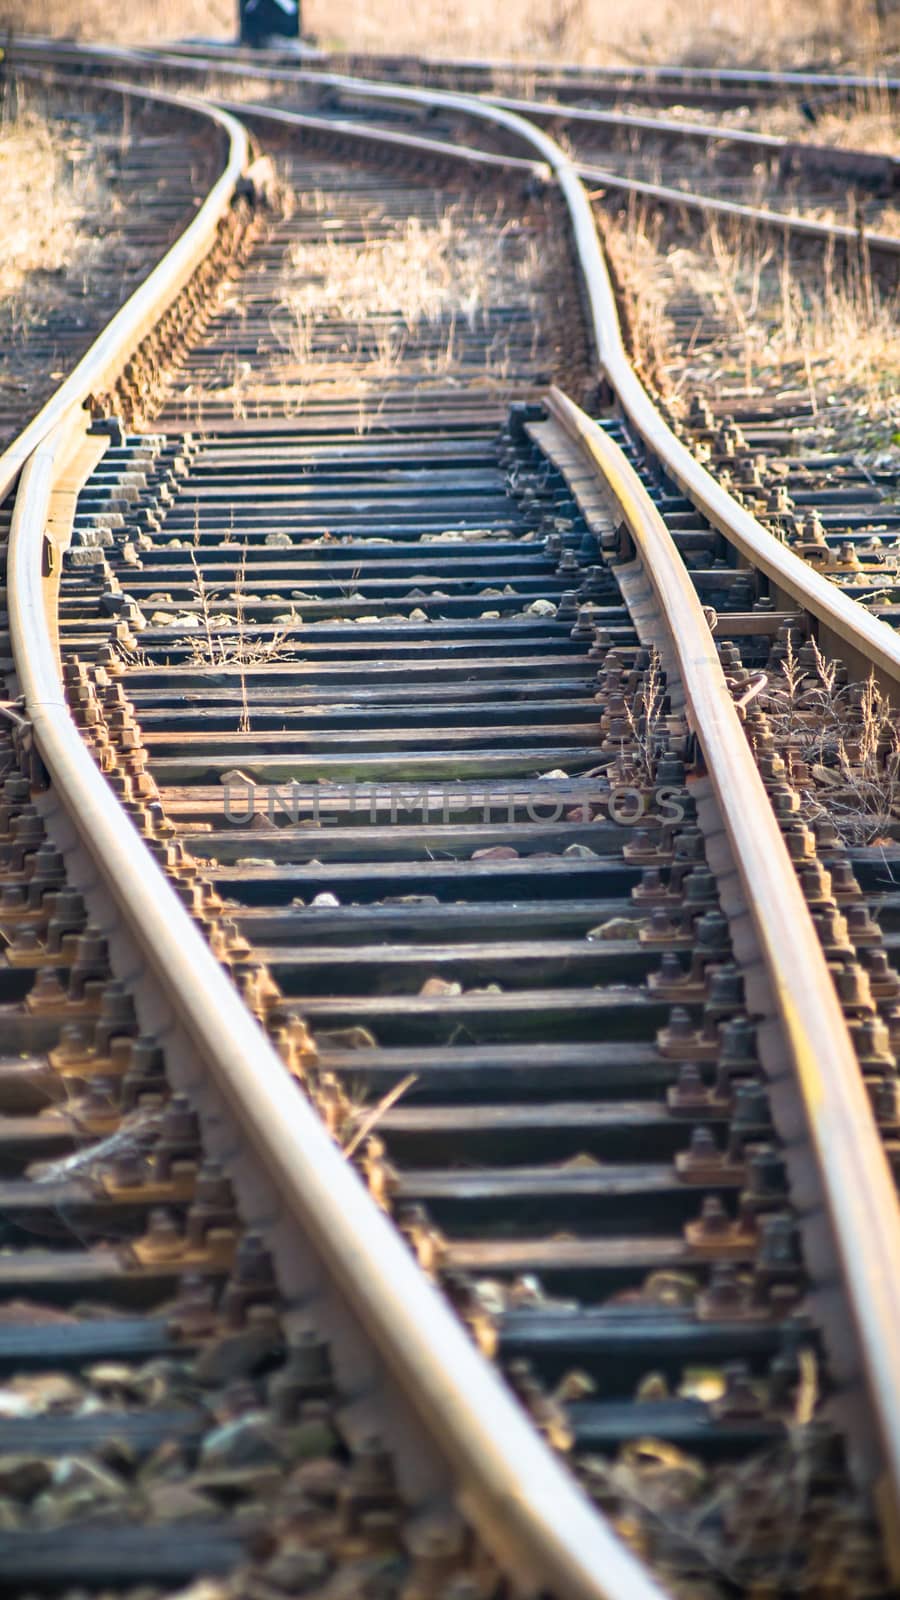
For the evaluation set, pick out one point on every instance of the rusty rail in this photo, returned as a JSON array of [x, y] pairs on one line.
[[526, 1506], [840, 618], [814, 1046], [883, 246], [464, 1434]]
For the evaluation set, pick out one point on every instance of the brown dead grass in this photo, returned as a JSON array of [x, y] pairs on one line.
[[412, 298], [847, 737], [97, 19], [763, 31], [764, 322], [422, 272], [48, 191], [59, 230]]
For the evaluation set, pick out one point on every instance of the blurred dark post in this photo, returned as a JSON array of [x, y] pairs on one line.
[[269, 19]]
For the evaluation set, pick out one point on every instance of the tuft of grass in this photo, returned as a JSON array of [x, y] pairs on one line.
[[645, 720], [416, 271], [411, 301], [60, 238], [225, 639], [763, 322], [848, 737]]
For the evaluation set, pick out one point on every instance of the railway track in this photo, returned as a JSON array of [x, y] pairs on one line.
[[169, 161], [766, 439], [813, 191], [723, 86], [401, 672]]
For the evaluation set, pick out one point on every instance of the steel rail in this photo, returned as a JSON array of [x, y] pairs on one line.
[[229, 54], [843, 618], [665, 72], [773, 144], [836, 613], [856, 1180], [594, 116], [883, 245], [567, 1548], [780, 221], [802, 152], [363, 133], [694, 76], [823, 1058], [525, 1504], [750, 138], [104, 361], [867, 636]]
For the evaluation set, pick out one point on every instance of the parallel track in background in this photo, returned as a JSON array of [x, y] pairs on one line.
[[811, 183], [361, 552], [837, 511]]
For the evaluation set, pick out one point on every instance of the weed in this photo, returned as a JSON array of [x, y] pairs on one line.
[[645, 720], [763, 321], [224, 638], [847, 736]]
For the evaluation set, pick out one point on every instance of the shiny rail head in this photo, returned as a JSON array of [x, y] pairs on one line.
[[581, 1563], [856, 1185], [525, 1505]]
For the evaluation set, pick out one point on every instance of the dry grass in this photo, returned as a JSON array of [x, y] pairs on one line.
[[645, 721], [59, 236], [869, 124], [751, 1528], [418, 273], [96, 19], [763, 324], [848, 737], [638, 261], [411, 301], [762, 31], [602, 31], [224, 637], [52, 193]]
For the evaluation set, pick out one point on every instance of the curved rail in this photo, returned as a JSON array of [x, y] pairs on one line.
[[856, 1180], [737, 77], [881, 244], [524, 1502], [663, 73], [867, 637], [771, 144], [844, 618], [821, 1059], [884, 246], [780, 221]]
